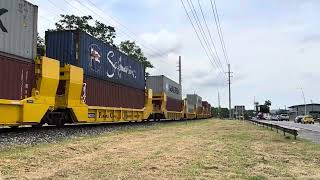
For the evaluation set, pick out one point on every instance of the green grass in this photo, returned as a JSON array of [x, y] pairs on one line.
[[206, 149]]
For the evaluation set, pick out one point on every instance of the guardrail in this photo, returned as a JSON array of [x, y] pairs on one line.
[[284, 129]]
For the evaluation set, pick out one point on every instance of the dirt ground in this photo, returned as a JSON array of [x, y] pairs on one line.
[[205, 149]]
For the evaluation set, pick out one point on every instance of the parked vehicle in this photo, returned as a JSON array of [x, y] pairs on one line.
[[260, 116], [308, 119], [274, 118], [298, 119], [268, 117], [283, 117]]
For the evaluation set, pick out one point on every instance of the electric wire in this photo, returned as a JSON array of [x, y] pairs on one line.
[[151, 54], [205, 39], [197, 19], [198, 36], [219, 29], [209, 32]]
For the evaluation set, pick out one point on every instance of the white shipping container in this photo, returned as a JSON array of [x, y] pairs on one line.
[[18, 28], [194, 100], [160, 84]]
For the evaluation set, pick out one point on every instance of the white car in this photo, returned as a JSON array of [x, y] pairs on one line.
[[283, 117]]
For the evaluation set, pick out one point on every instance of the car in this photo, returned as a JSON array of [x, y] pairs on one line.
[[283, 117], [274, 118], [298, 119], [268, 117], [308, 119]]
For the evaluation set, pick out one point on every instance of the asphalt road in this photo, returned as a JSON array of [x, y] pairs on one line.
[[306, 131]]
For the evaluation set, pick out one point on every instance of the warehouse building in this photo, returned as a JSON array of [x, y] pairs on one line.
[[299, 110]]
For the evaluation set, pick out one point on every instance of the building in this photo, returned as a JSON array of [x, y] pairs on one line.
[[299, 110], [239, 112]]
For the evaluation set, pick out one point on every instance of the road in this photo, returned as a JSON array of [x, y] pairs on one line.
[[306, 131]]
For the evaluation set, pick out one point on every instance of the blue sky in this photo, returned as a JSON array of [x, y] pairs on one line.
[[273, 45]]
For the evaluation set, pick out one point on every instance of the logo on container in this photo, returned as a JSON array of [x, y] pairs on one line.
[[172, 89], [95, 57], [117, 68], [3, 11]]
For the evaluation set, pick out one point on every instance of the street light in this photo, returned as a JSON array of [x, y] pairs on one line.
[[304, 99]]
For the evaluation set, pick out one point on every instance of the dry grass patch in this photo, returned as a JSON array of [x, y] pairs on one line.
[[206, 149]]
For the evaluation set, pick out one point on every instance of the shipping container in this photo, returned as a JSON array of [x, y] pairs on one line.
[[160, 84], [174, 104], [98, 60], [17, 78], [18, 28], [194, 100], [107, 94], [205, 104]]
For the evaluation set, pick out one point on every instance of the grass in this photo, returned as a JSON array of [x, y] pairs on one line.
[[206, 149]]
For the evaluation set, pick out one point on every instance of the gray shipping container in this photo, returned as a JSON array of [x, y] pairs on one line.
[[194, 99], [160, 84], [18, 28]]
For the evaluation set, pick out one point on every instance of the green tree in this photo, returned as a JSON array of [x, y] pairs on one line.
[[267, 103], [133, 50], [40, 46], [98, 30]]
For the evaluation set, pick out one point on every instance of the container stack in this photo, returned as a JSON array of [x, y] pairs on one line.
[[162, 84], [18, 34], [194, 103], [112, 79], [205, 106]]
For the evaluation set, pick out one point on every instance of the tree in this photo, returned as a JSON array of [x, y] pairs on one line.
[[267, 103], [224, 112], [133, 50], [40, 46], [98, 30]]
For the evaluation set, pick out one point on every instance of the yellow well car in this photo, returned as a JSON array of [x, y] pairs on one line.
[[307, 120]]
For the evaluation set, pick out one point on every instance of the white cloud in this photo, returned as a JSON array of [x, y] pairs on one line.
[[273, 45]]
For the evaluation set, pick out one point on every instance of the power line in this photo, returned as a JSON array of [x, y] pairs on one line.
[[117, 21], [120, 30], [156, 52], [209, 32], [197, 34], [219, 29], [195, 15]]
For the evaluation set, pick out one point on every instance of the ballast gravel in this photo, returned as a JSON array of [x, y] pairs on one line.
[[50, 134]]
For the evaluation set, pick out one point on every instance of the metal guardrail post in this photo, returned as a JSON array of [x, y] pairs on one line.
[[285, 130]]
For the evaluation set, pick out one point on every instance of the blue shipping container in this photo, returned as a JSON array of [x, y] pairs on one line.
[[97, 59]]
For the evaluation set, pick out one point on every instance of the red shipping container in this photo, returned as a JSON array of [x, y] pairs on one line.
[[107, 94], [174, 104], [17, 77]]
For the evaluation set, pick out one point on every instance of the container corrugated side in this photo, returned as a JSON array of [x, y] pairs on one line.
[[17, 78], [98, 60], [194, 99], [18, 32], [160, 84], [108, 94], [60, 45], [174, 104]]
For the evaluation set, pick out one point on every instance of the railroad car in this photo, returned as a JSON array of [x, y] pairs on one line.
[[80, 80]]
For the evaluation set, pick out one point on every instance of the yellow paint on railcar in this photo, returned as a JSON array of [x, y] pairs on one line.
[[31, 110], [75, 100]]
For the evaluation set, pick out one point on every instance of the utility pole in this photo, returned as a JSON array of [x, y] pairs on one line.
[[304, 100], [219, 106], [229, 82], [179, 69]]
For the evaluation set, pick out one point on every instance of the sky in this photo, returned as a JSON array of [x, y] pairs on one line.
[[272, 45]]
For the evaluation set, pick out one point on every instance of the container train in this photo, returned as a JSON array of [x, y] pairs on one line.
[[80, 80]]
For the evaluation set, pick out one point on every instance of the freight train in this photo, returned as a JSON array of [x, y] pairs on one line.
[[80, 80]]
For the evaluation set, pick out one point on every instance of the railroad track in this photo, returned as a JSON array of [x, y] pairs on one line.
[[50, 134]]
